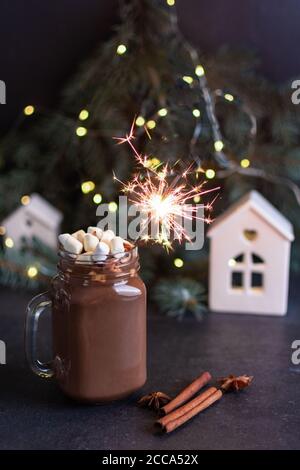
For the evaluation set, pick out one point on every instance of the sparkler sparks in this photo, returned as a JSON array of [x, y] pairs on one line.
[[163, 195]]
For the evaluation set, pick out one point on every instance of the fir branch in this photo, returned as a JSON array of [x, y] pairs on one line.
[[179, 297], [43, 153]]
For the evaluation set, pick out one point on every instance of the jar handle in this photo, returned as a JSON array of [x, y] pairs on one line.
[[34, 309]]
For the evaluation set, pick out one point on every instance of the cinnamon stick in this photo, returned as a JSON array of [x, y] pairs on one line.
[[187, 393], [171, 425], [186, 408]]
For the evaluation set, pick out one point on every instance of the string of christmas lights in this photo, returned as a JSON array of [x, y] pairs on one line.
[[225, 166], [228, 167]]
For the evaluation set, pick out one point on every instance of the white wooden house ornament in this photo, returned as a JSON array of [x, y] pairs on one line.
[[39, 218], [249, 258]]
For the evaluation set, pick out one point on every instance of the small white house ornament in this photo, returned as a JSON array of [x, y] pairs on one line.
[[250, 258], [37, 218]]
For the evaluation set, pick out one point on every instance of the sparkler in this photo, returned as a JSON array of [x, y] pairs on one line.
[[164, 196]]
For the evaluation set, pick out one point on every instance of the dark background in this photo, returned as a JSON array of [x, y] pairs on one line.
[[41, 43]]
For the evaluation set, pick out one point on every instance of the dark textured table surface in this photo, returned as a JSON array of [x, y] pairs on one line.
[[35, 415]]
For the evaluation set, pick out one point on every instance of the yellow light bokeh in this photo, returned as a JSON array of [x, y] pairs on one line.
[[188, 79], [178, 262], [196, 113], [245, 162], [228, 97], [97, 198], [155, 161], [25, 200], [9, 243], [2, 230], [162, 112], [32, 272], [152, 163], [199, 71], [219, 145], [210, 174], [87, 187], [197, 199], [171, 3], [83, 115], [151, 124], [28, 110], [121, 49], [231, 262], [140, 121], [112, 206], [81, 131]]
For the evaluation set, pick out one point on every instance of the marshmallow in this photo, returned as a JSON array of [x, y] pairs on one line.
[[90, 242], [107, 236], [100, 252], [70, 244], [63, 237], [79, 235], [96, 231], [117, 246]]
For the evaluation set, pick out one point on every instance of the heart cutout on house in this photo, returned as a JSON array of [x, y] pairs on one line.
[[250, 235]]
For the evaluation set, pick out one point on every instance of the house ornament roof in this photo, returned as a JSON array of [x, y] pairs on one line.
[[253, 200]]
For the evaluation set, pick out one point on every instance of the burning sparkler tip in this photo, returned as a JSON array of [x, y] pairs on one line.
[[162, 198]]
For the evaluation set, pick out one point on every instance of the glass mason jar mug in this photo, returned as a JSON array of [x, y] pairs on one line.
[[98, 327]]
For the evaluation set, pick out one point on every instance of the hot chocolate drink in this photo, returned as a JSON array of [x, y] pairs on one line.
[[99, 328], [99, 325]]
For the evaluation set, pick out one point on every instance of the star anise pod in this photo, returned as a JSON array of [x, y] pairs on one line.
[[233, 383], [154, 400]]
